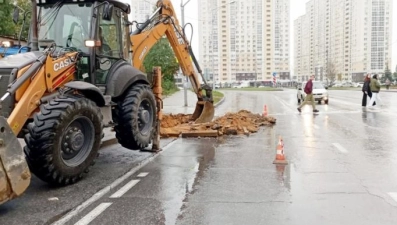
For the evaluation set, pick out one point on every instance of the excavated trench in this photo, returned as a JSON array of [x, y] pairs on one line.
[[240, 123]]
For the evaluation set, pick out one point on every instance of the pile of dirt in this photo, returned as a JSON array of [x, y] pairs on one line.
[[242, 122]]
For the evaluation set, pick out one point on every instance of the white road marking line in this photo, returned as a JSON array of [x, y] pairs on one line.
[[284, 103], [93, 214], [339, 147], [108, 188], [393, 195], [142, 174], [124, 189]]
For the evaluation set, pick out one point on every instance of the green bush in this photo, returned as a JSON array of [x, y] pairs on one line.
[[169, 87]]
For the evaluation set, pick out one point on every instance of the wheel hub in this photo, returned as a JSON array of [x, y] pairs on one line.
[[74, 140], [145, 116], [78, 142]]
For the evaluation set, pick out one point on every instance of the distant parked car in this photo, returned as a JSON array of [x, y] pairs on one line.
[[359, 84], [347, 84], [337, 85], [320, 92]]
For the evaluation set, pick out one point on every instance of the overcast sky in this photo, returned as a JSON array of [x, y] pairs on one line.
[[297, 9]]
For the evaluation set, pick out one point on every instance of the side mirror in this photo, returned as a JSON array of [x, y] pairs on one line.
[[15, 15], [107, 12]]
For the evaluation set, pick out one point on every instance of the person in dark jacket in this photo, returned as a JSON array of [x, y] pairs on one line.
[[374, 85], [366, 90], [309, 95]]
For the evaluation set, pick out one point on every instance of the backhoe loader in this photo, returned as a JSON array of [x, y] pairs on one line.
[[82, 74]]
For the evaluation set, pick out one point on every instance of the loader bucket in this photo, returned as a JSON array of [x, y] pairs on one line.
[[14, 170], [204, 112]]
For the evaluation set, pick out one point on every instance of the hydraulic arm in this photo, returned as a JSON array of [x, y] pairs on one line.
[[164, 22]]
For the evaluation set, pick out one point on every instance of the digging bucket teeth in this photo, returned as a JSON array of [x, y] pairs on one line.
[[204, 112], [14, 171]]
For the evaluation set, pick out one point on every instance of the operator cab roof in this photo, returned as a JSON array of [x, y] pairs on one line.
[[123, 6]]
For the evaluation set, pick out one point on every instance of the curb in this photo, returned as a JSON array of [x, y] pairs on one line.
[[108, 142], [220, 102]]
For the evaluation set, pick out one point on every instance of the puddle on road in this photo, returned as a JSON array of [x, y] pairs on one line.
[[190, 168]]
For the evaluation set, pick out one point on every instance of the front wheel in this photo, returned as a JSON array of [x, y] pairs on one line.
[[136, 118], [64, 139], [326, 102]]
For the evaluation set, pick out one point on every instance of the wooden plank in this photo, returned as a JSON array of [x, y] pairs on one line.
[[169, 133], [246, 132], [206, 133]]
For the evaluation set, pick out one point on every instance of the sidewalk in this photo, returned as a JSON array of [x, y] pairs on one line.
[[175, 103], [171, 104]]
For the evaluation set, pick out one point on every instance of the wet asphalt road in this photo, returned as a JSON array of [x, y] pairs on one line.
[[342, 170]]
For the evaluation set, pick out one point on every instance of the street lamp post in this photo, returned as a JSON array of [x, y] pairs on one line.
[[185, 81]]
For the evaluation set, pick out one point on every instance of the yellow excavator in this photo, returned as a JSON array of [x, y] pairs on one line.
[[82, 73]]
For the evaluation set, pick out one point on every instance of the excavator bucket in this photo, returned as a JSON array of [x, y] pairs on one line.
[[14, 171], [204, 112]]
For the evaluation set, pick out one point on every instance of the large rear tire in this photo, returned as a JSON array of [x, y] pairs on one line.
[[64, 139], [136, 118]]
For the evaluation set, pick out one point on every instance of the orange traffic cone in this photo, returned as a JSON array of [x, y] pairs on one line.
[[280, 157], [264, 113]]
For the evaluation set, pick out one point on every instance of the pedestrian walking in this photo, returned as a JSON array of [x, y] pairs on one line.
[[366, 90], [375, 88], [309, 95]]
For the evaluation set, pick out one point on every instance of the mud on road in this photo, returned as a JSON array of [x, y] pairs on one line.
[[242, 122]]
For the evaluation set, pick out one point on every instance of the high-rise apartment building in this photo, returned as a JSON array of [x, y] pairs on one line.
[[244, 40], [343, 39]]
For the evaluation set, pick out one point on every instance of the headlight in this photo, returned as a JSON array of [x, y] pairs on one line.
[[6, 44]]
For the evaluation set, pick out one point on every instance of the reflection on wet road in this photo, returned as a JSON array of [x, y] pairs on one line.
[[341, 169]]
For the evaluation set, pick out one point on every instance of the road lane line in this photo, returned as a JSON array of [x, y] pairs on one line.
[[124, 189], [339, 147], [393, 195], [284, 103], [93, 214], [142, 174], [108, 188]]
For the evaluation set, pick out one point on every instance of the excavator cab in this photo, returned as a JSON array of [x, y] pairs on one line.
[[71, 24], [100, 31]]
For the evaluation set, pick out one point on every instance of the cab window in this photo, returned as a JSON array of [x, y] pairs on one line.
[[110, 51], [109, 34]]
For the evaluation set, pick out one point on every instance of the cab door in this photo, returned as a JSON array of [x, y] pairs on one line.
[[110, 34]]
